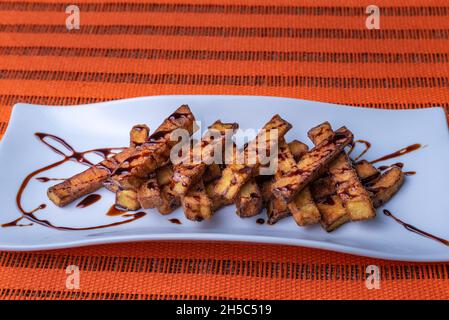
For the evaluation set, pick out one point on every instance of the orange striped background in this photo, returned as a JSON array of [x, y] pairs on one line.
[[314, 49]]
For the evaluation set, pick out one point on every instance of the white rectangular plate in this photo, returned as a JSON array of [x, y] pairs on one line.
[[423, 201]]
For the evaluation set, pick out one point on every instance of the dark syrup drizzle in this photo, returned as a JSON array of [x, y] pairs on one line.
[[411, 228], [399, 153], [175, 221], [75, 156], [395, 154], [397, 164], [46, 179], [115, 210], [88, 200], [364, 142]]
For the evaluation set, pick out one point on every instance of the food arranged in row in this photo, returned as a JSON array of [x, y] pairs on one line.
[[313, 185]]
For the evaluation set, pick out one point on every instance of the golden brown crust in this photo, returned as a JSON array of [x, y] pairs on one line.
[[355, 198], [217, 200], [127, 199], [313, 164], [188, 172], [298, 149], [196, 203], [333, 213], [169, 201], [138, 135], [149, 194], [249, 200], [320, 133], [277, 209], [137, 161], [366, 171], [386, 186], [303, 208], [235, 175], [85, 182], [164, 175], [353, 194]]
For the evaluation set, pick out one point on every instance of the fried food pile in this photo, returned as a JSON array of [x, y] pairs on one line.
[[318, 185]]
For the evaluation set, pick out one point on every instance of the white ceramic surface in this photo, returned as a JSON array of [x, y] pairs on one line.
[[423, 201]]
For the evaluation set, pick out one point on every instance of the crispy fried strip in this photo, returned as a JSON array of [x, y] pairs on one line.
[[169, 200], [164, 175], [386, 186], [138, 135], [314, 163], [276, 210], [333, 214], [196, 203], [354, 196], [298, 149], [127, 199], [85, 182], [217, 200], [302, 207], [188, 172], [149, 194], [331, 206], [249, 200], [366, 171], [235, 175], [136, 161]]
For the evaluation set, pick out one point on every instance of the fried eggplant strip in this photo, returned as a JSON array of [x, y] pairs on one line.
[[138, 135], [366, 171], [298, 149], [277, 209], [169, 200], [127, 199], [188, 172], [302, 207], [235, 175], [249, 200], [349, 188], [196, 203], [386, 186], [149, 194], [139, 161], [313, 164], [217, 201], [333, 213], [355, 197], [213, 172]]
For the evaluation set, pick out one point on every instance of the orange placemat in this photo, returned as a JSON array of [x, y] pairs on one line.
[[313, 49]]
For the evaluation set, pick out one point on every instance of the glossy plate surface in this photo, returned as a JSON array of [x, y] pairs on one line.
[[423, 201]]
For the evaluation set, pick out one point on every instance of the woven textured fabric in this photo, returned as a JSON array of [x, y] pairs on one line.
[[312, 49]]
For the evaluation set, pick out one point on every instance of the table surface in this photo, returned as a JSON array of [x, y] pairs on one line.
[[312, 49]]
